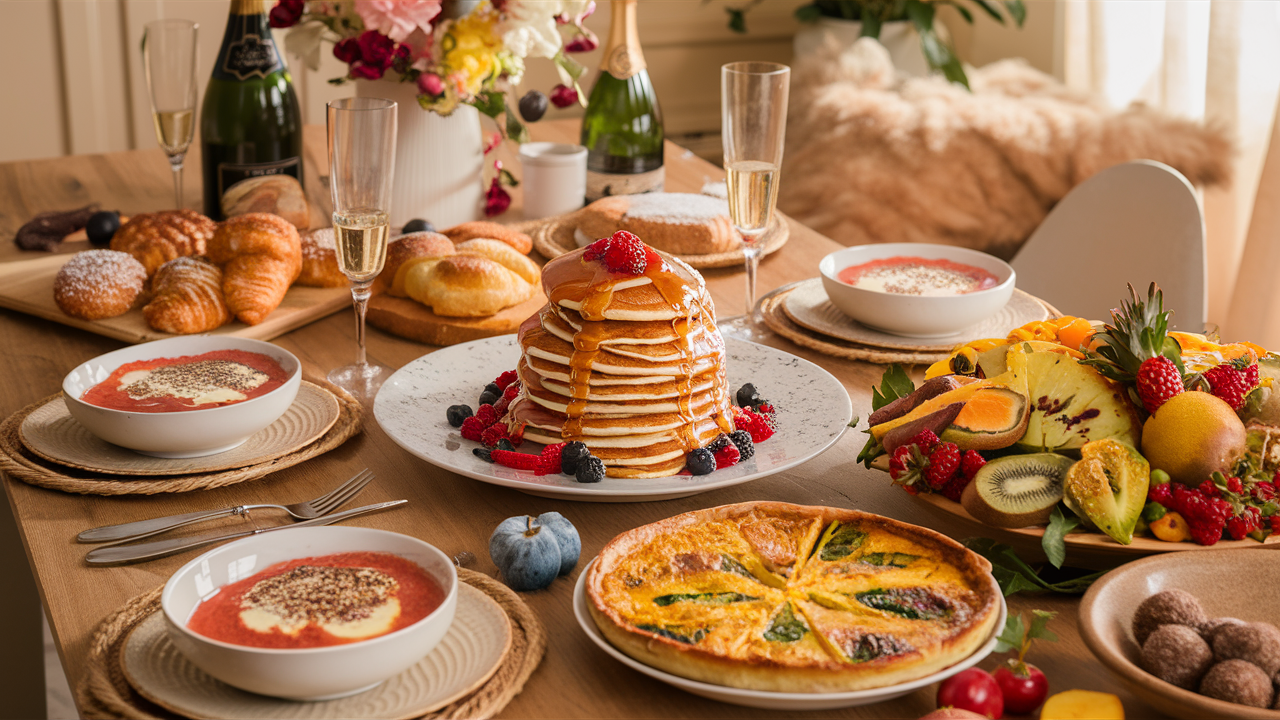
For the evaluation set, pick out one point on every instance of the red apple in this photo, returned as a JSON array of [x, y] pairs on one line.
[[952, 713], [1025, 688], [973, 690]]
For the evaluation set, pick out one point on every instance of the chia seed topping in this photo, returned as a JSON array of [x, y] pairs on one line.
[[195, 379], [321, 594]]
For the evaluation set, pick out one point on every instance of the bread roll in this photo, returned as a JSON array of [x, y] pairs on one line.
[[276, 194], [98, 284], [465, 285], [156, 238], [416, 247], [482, 229], [260, 255], [504, 255], [187, 297], [320, 260]]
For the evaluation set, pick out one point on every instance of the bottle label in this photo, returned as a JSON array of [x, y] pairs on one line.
[[231, 173], [251, 57], [605, 184]]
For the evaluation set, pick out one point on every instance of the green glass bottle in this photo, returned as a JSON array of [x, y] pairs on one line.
[[622, 128], [250, 123]]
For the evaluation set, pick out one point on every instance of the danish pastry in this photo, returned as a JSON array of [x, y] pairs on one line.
[[416, 247], [277, 194], [494, 231], [465, 285], [156, 238], [98, 284], [187, 297], [678, 223], [320, 260], [260, 255]]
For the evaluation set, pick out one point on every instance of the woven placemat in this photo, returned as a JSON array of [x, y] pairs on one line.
[[103, 691], [554, 237], [23, 465]]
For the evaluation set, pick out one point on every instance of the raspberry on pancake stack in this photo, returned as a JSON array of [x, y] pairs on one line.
[[625, 357]]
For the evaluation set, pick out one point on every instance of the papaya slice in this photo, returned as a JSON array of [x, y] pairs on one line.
[[992, 419]]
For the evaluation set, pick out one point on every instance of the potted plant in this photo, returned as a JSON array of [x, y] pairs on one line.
[[894, 20], [444, 63]]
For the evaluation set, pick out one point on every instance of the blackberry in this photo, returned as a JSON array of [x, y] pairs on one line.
[[458, 413], [722, 441], [701, 461], [747, 395], [590, 469], [571, 455], [484, 453], [742, 440]]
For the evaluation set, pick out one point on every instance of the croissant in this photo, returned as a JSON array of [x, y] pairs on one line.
[[156, 238], [187, 297], [260, 255]]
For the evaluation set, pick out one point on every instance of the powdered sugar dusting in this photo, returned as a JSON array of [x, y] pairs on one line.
[[676, 208], [92, 270], [323, 238]]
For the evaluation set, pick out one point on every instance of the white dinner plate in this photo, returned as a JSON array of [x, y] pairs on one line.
[[764, 698], [813, 412]]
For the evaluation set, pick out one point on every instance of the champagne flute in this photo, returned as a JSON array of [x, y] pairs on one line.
[[753, 110], [169, 50], [362, 142]]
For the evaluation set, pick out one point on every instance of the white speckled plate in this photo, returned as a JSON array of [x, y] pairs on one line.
[[468, 655], [813, 411], [790, 702]]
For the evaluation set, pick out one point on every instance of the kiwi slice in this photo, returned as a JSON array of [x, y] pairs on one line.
[[1018, 490]]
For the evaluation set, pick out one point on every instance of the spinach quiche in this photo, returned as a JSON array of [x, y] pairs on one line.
[[792, 598]]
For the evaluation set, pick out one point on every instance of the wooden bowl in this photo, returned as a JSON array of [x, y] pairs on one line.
[[1227, 583]]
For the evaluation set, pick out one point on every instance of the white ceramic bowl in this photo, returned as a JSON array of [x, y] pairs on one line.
[[320, 673], [916, 315], [189, 433]]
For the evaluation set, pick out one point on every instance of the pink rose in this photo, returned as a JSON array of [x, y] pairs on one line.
[[431, 84], [347, 50], [397, 19], [284, 14], [376, 49]]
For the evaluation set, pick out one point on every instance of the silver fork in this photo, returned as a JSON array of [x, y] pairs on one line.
[[301, 510]]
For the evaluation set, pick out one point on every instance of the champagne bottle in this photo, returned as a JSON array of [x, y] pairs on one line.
[[250, 123], [622, 128]]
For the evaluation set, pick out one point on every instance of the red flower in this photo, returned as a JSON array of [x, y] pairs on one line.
[[347, 50], [497, 200], [362, 71], [430, 84], [376, 49], [286, 13], [562, 96], [582, 42]]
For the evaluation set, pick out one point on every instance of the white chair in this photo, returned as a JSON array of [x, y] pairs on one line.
[[1131, 223]]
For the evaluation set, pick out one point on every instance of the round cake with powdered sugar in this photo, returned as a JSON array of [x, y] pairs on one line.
[[678, 223], [98, 284]]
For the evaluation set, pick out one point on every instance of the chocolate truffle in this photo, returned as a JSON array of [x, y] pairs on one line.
[[1258, 643], [1239, 682], [1170, 607], [1177, 654], [1210, 627]]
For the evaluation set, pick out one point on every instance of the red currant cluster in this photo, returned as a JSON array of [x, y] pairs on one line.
[[1221, 504], [923, 464]]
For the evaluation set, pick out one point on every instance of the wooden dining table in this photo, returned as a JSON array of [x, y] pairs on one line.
[[455, 513]]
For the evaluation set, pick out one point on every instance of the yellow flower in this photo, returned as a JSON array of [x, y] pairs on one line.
[[471, 54]]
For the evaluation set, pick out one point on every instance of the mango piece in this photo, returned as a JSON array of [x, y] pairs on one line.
[[1170, 528], [1082, 705]]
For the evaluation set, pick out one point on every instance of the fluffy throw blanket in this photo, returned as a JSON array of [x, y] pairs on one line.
[[872, 157]]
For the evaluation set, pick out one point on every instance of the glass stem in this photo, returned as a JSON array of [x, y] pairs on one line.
[[175, 162], [360, 293], [752, 250]]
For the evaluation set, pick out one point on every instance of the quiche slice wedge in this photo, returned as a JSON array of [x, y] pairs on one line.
[[792, 598]]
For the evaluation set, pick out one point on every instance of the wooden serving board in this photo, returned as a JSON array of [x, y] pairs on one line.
[[27, 286], [414, 321]]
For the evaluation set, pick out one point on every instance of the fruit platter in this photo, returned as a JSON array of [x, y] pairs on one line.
[[1121, 437]]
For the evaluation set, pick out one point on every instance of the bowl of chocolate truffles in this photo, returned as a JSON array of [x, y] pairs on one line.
[[1194, 634]]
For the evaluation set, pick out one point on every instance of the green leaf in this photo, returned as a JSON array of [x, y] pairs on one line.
[[964, 11], [737, 19], [1054, 542], [895, 383], [992, 9], [870, 27], [808, 13], [506, 178], [872, 450], [1017, 11], [1011, 637], [921, 15], [954, 72], [515, 129], [570, 69], [490, 103], [1014, 575], [1039, 626]]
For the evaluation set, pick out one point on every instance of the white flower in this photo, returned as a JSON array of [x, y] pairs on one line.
[[528, 27]]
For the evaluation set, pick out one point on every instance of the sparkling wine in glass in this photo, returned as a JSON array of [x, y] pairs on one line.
[[753, 107], [362, 141], [169, 50]]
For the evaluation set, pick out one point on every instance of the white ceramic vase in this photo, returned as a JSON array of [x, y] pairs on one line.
[[898, 37], [439, 160]]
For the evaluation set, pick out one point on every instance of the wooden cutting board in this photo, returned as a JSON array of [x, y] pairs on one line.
[[27, 286], [415, 321]]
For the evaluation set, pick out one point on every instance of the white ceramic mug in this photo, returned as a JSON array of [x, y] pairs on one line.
[[555, 178]]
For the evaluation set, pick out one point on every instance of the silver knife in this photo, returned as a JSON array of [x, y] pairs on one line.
[[118, 554]]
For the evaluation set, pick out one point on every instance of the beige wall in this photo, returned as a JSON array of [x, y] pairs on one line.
[[80, 88]]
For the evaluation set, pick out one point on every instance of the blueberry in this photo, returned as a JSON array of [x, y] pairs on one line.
[[590, 470], [458, 413], [747, 395], [488, 397], [701, 462], [418, 225], [483, 453], [742, 440], [493, 388], [571, 455], [721, 442], [101, 227], [533, 106]]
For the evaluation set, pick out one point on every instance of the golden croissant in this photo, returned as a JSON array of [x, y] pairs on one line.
[[188, 297], [260, 255]]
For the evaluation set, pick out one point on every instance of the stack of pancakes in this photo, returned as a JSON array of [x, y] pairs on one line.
[[631, 365]]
